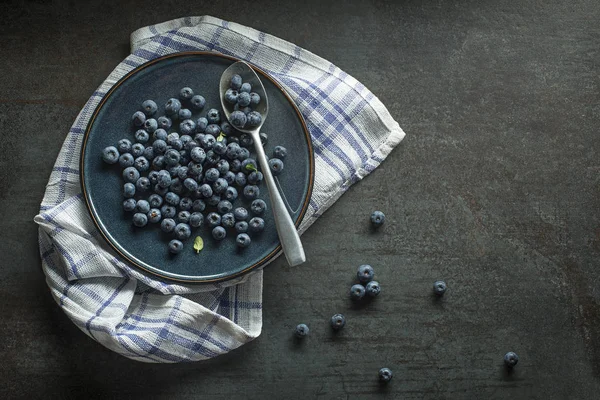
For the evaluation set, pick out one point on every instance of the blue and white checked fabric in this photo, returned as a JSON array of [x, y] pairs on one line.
[[143, 318]]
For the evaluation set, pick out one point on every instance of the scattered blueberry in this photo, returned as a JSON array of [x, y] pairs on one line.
[[219, 233], [138, 118], [357, 292], [175, 246], [365, 274], [279, 152], [301, 331], [182, 231], [186, 93], [243, 240], [129, 205], [373, 289], [213, 116], [241, 227], [511, 359], [257, 225], [338, 321], [198, 102], [258, 206], [439, 288], [276, 166], [377, 218], [385, 375], [142, 136], [240, 213], [149, 107], [251, 192], [151, 125]]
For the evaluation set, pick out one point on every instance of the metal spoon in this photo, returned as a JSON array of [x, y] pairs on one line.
[[288, 235]]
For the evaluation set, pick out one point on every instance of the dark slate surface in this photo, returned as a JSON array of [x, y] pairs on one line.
[[494, 189]]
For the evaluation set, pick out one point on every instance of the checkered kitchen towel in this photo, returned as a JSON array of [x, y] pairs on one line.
[[143, 318]]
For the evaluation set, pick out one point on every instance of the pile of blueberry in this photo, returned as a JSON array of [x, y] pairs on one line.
[[367, 285], [182, 179], [241, 96]]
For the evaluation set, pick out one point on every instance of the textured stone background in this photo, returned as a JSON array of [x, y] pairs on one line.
[[495, 189]]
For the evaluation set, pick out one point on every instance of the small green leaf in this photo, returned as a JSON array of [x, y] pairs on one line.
[[221, 137], [198, 244], [251, 167]]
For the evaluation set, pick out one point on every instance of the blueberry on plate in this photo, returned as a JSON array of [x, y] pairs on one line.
[[365, 273], [154, 215], [263, 138], [257, 225], [168, 225], [201, 124], [164, 122], [182, 231], [140, 220], [126, 160], [373, 289], [258, 206], [143, 206], [219, 233], [183, 217], [198, 102], [301, 331], [255, 177], [240, 213], [377, 218], [168, 211], [213, 219], [236, 82], [338, 321], [224, 206], [186, 93], [187, 127], [124, 146], [149, 107], [151, 125], [385, 375], [279, 152], [276, 166], [128, 190], [160, 134], [357, 292], [251, 192], [213, 116], [196, 220], [511, 359], [241, 227], [155, 200], [172, 106], [198, 205], [142, 136], [175, 246], [137, 149], [138, 118], [243, 240], [439, 288], [228, 220], [131, 174], [129, 205], [231, 193]]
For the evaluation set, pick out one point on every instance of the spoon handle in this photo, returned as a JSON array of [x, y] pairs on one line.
[[288, 235]]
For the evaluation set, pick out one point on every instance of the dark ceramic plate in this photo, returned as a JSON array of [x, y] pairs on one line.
[[102, 184]]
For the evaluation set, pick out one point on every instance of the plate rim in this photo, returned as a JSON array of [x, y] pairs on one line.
[[91, 209]]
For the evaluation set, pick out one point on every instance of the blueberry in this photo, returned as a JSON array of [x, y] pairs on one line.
[[235, 165], [167, 225], [151, 125], [182, 173], [161, 191], [124, 146], [219, 233], [241, 227], [137, 149], [213, 219], [243, 154], [155, 200], [160, 134], [243, 99], [128, 190], [190, 184], [365, 273], [243, 240], [223, 167], [276, 166], [183, 217], [233, 151], [439, 288], [142, 164], [213, 129], [219, 148], [175, 246], [186, 93], [245, 88], [160, 146], [245, 110], [263, 138], [377, 218], [168, 211], [237, 119], [158, 163], [254, 119], [248, 165], [191, 145], [231, 193], [185, 204], [198, 102], [143, 206], [357, 292], [258, 206], [228, 220], [176, 186], [236, 82], [154, 215], [198, 205], [231, 96], [143, 184], [140, 220], [254, 99], [138, 118], [207, 142], [164, 122], [257, 225], [240, 179], [164, 178], [185, 139], [172, 157], [206, 190], [279, 152], [126, 160], [142, 136], [196, 220], [172, 199], [187, 127], [511, 359], [246, 140], [201, 124], [182, 231], [149, 107], [229, 178], [172, 106], [255, 177], [153, 177], [198, 154], [213, 116], [240, 213], [301, 331], [129, 205], [224, 207], [251, 192], [211, 175], [233, 139], [373, 289], [385, 375], [130, 174], [213, 200], [226, 128], [149, 153], [220, 185], [338, 321]]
